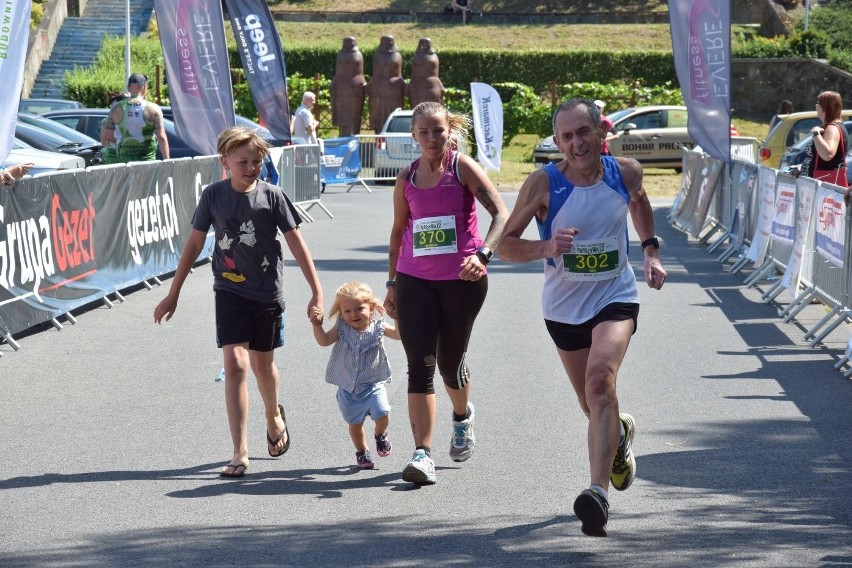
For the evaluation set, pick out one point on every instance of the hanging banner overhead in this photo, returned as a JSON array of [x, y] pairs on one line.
[[263, 62], [14, 34], [487, 124], [192, 34], [701, 43]]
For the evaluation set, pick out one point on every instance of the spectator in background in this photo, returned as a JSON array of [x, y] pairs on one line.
[[463, 7], [135, 125], [786, 107], [608, 128], [304, 124], [11, 174], [109, 144], [826, 154]]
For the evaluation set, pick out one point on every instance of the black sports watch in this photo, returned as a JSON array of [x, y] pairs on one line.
[[653, 242], [484, 254]]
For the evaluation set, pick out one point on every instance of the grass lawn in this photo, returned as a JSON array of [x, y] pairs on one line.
[[495, 6]]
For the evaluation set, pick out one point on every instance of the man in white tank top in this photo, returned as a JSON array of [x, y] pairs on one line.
[[590, 300]]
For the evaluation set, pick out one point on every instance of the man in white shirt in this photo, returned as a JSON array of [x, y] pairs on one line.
[[304, 123]]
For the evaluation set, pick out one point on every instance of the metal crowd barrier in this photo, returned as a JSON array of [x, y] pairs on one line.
[[383, 155], [59, 259], [798, 227], [299, 176]]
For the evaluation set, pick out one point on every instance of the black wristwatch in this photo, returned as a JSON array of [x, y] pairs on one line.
[[484, 254], [653, 241]]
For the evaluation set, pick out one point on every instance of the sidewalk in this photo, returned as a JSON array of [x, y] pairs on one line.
[[113, 431]]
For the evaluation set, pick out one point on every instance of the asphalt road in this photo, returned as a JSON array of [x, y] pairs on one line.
[[113, 431]]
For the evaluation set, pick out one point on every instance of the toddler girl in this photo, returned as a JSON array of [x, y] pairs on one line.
[[359, 364]]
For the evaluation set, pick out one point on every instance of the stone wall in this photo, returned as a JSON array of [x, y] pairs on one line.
[[42, 39], [772, 18], [758, 85]]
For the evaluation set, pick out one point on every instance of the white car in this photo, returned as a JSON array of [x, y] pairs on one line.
[[396, 147], [653, 135], [44, 160]]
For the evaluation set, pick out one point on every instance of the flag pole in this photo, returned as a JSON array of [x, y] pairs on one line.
[[127, 43]]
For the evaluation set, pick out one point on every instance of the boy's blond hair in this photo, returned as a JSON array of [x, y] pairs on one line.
[[355, 291], [236, 136]]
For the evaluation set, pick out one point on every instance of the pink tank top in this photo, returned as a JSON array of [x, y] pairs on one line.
[[442, 230]]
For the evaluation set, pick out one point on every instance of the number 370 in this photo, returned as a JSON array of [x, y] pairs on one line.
[[432, 237]]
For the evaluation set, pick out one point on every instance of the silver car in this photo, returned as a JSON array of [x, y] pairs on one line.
[[396, 147], [45, 161]]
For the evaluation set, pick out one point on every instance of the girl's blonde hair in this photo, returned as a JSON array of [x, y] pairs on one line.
[[460, 124], [236, 136], [355, 291]]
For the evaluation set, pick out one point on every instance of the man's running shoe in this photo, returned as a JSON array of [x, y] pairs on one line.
[[463, 442], [383, 445], [593, 511], [624, 465], [420, 470]]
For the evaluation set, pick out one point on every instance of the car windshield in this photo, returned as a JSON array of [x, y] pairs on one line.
[[43, 136], [56, 127], [614, 117], [18, 144], [399, 124], [800, 144]]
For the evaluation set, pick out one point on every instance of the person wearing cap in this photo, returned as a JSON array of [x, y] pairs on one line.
[[135, 125], [607, 127]]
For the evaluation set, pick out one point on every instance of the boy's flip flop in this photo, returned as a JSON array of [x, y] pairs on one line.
[[239, 470], [273, 443]]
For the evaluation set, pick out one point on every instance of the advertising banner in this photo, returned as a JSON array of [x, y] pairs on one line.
[[796, 270], [71, 238], [831, 211], [765, 215], [13, 52], [783, 227], [192, 34], [710, 180], [746, 176], [487, 124], [341, 162], [263, 62], [701, 44]]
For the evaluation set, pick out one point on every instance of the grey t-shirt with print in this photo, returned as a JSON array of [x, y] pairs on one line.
[[248, 256]]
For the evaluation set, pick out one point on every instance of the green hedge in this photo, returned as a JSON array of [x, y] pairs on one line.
[[527, 105], [534, 68]]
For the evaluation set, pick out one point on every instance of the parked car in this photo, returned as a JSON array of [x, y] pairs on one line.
[[653, 135], [262, 131], [43, 160], [789, 130], [38, 106], [45, 140], [395, 146], [65, 132], [88, 121], [795, 154]]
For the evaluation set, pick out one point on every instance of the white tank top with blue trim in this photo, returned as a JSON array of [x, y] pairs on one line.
[[578, 285]]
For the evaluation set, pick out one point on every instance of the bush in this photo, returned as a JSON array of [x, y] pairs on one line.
[[36, 14], [813, 44]]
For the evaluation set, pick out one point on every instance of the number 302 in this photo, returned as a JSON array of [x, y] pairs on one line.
[[593, 262]]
